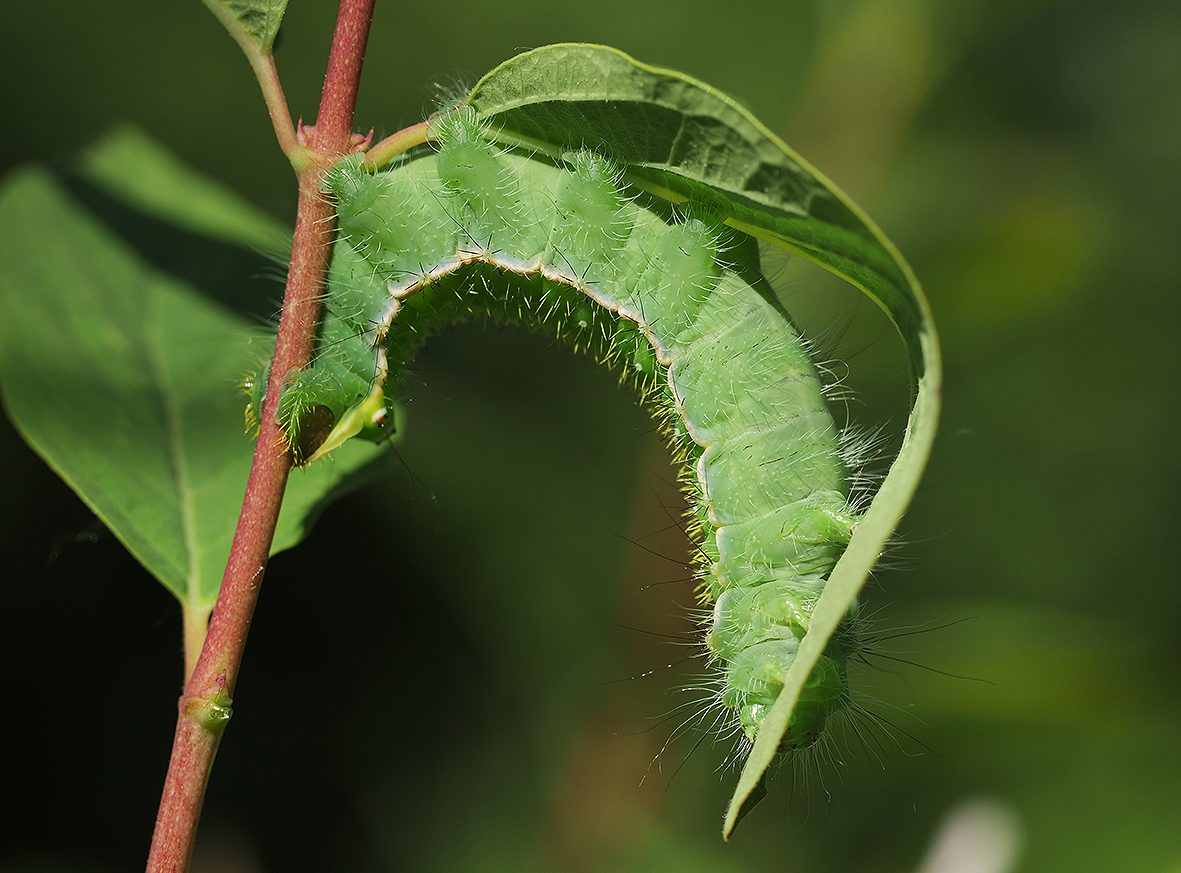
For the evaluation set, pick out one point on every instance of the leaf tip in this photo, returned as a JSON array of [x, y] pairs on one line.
[[741, 805]]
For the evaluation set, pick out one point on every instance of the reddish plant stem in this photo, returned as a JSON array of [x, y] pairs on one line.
[[338, 100], [204, 705]]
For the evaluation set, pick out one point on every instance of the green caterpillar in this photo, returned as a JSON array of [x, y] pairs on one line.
[[673, 300]]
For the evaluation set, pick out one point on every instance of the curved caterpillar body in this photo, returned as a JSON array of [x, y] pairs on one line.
[[675, 302]]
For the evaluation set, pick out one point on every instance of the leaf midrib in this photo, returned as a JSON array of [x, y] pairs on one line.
[[174, 427]]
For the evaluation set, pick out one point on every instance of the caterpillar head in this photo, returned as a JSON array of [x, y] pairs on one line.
[[755, 678], [825, 694], [758, 630]]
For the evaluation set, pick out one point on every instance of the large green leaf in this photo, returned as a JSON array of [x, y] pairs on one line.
[[685, 140], [256, 21], [118, 366]]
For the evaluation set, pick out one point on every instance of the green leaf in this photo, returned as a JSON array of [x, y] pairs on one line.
[[119, 366], [137, 171], [685, 140], [254, 20]]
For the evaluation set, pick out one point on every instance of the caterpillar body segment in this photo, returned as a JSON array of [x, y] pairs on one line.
[[672, 302]]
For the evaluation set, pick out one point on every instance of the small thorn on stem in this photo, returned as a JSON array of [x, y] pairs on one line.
[[305, 134], [360, 141]]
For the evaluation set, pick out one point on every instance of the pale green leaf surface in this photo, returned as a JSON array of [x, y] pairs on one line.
[[164, 186], [258, 20], [122, 375], [683, 139]]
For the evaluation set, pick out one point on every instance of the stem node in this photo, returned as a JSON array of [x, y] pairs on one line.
[[212, 712]]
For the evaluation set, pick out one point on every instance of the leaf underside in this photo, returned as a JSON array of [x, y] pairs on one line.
[[683, 139]]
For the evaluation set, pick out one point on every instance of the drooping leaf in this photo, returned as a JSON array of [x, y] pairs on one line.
[[137, 171], [119, 355], [683, 139], [254, 20]]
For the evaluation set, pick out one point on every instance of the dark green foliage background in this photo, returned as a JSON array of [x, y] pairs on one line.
[[428, 685]]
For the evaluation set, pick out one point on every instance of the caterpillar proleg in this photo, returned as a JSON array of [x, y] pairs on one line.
[[671, 298]]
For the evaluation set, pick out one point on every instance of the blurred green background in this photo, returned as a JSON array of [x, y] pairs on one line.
[[438, 680]]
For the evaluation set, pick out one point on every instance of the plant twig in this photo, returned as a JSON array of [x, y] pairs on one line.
[[395, 144], [272, 92], [263, 64], [205, 703]]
